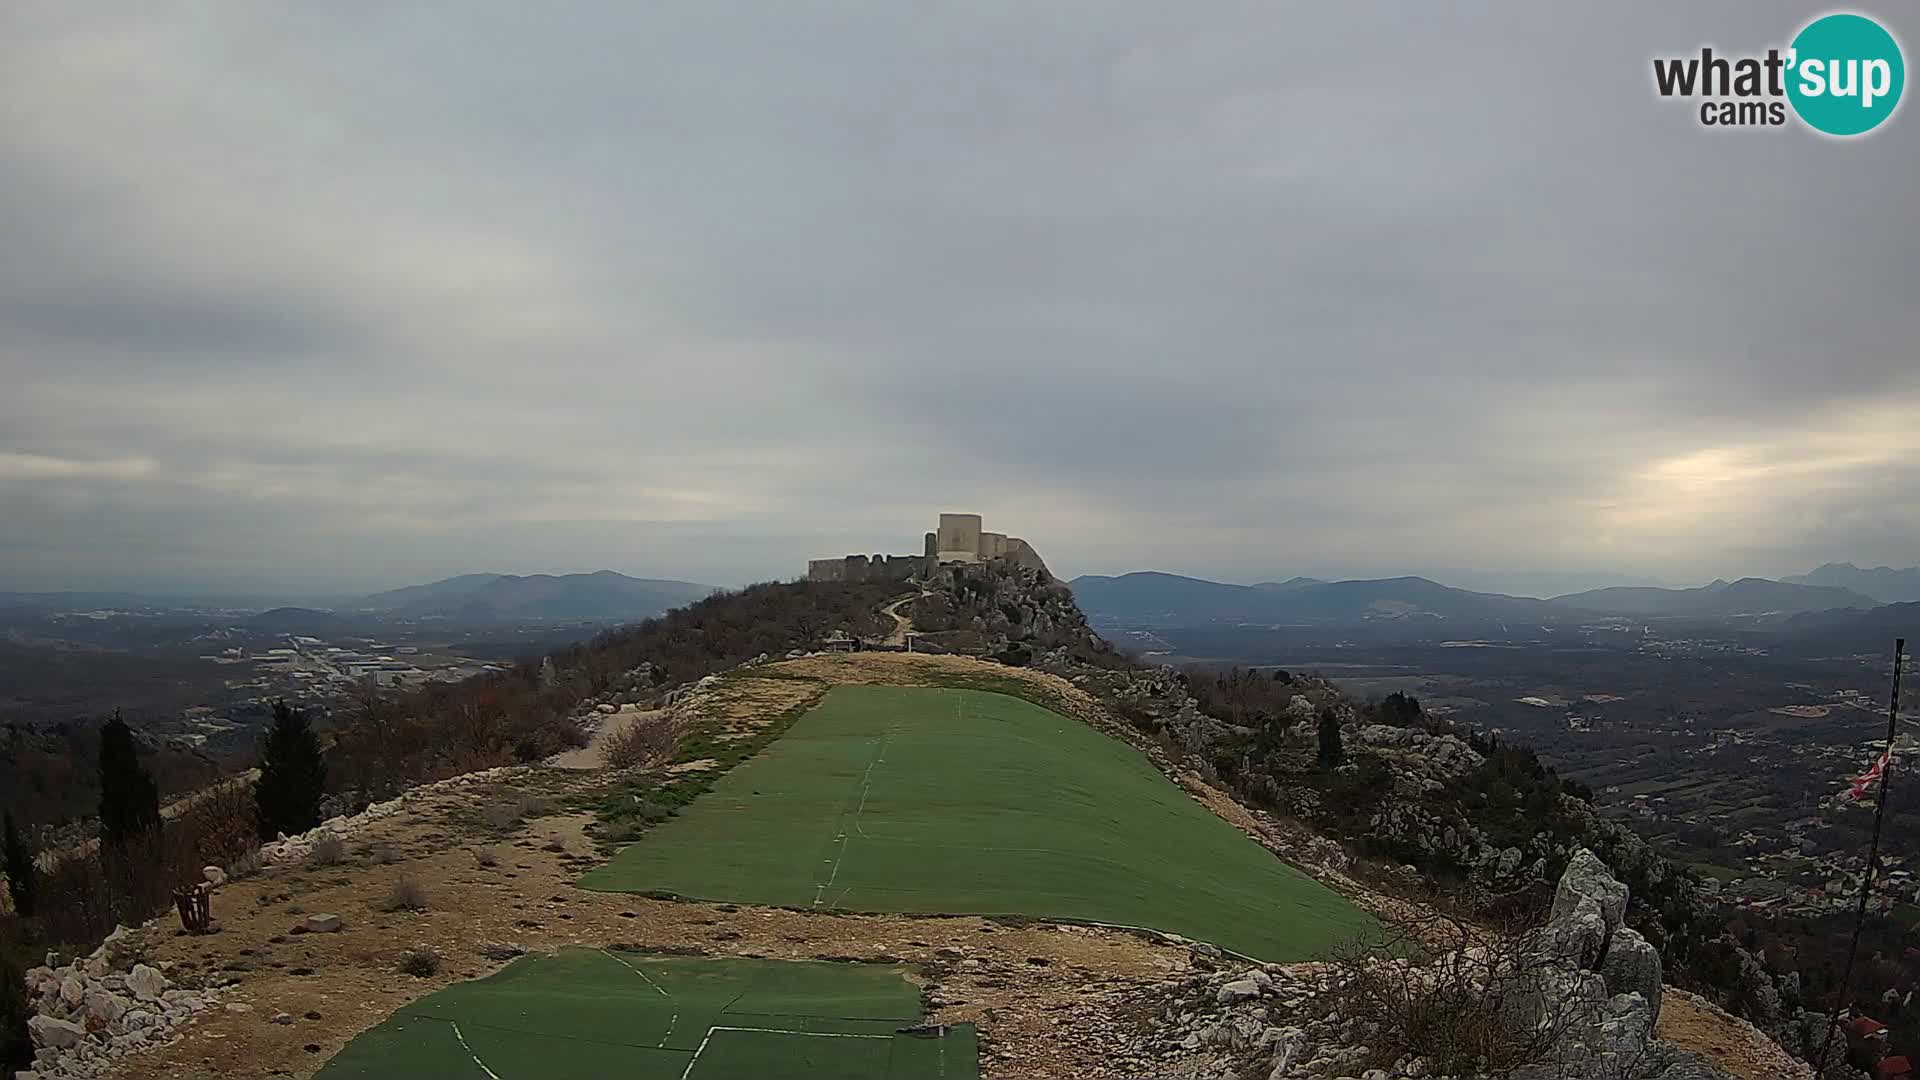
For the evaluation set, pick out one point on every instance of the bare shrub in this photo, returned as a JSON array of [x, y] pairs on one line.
[[1467, 999], [644, 742], [244, 865], [407, 894], [486, 857], [420, 963], [329, 850]]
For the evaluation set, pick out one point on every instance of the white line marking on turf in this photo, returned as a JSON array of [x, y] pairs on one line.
[[470, 1053], [866, 786], [708, 1037], [671, 1021]]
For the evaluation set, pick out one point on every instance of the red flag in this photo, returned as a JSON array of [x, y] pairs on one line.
[[1869, 778]]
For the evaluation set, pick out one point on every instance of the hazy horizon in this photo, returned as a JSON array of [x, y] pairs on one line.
[[335, 300]]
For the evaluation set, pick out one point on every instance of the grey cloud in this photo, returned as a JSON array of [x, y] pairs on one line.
[[703, 289]]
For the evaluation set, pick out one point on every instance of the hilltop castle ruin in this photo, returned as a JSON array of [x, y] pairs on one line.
[[959, 539]]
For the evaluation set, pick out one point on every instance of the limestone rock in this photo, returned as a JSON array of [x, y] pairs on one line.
[[1237, 990], [1587, 878], [215, 876], [105, 1007], [1632, 966], [326, 923], [146, 982], [50, 1032]]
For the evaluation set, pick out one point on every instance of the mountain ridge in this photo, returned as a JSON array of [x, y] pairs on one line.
[[601, 594], [1882, 583]]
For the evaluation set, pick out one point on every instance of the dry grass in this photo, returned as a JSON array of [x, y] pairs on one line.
[[407, 894], [329, 850], [642, 743]]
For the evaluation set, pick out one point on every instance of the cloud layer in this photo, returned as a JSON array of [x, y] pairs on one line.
[[349, 296]]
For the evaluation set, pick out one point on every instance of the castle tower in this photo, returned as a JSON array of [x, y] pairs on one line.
[[959, 538]]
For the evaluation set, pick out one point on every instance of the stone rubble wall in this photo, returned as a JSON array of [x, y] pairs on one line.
[[91, 1011]]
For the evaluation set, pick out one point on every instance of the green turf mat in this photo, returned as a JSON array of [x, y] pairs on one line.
[[585, 1013], [915, 799]]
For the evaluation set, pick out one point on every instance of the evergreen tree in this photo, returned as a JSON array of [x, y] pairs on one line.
[[129, 799], [19, 863], [1331, 752], [293, 775]]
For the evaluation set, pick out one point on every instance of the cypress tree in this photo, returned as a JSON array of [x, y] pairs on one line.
[[129, 799], [1331, 752], [19, 862], [293, 775]]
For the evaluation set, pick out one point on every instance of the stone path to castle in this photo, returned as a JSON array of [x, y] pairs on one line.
[[902, 624]]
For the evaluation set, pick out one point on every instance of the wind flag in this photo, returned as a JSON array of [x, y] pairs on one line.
[[1869, 778]]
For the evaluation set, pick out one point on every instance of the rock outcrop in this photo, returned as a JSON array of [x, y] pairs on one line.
[[1580, 996]]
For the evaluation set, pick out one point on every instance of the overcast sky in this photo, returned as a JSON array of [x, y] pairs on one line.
[[351, 295]]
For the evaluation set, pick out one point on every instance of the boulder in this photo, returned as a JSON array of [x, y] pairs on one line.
[[105, 1007], [1237, 990], [327, 923], [1587, 878], [1632, 966], [146, 982], [215, 876], [73, 990], [53, 1033]]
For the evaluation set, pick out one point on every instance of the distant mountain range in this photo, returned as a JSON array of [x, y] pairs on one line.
[[1169, 599], [477, 597], [1155, 598], [1748, 596], [1883, 583], [1848, 632]]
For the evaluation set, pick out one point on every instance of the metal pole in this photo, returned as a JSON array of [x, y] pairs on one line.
[[1873, 854]]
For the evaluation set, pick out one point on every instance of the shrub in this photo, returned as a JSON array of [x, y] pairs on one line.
[[329, 850], [247, 865], [407, 894], [643, 742], [420, 963], [1475, 1005]]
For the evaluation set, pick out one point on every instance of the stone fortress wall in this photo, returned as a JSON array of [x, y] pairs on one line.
[[959, 539]]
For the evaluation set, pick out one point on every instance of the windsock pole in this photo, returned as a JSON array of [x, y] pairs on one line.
[[1873, 855]]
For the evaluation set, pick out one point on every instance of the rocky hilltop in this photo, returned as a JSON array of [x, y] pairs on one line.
[[1525, 935]]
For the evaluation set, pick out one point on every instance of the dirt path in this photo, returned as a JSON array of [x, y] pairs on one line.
[[902, 624], [593, 755]]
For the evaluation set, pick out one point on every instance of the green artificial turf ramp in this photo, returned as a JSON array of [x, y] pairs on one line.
[[590, 1013], [915, 799]]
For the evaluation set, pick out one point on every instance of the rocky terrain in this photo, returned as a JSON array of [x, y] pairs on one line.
[[1583, 994], [325, 934]]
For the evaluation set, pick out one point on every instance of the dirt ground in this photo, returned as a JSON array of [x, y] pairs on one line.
[[1691, 1022]]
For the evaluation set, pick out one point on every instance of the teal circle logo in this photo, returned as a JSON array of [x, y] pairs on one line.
[[1845, 74]]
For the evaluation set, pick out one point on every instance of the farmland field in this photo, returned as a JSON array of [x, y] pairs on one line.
[[593, 1013], [907, 799]]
